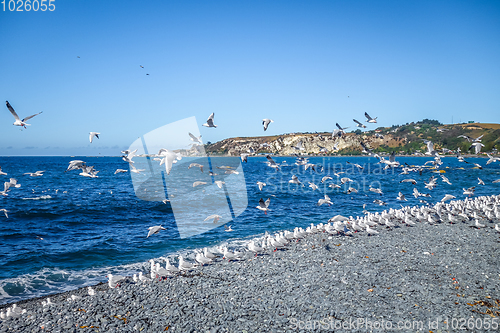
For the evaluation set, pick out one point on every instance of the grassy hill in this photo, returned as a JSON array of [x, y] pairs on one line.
[[406, 139]]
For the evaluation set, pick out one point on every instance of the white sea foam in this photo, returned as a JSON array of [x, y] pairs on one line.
[[43, 197]]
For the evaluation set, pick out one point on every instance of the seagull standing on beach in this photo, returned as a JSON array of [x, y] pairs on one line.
[[114, 279], [210, 121], [184, 265], [18, 121], [92, 134]]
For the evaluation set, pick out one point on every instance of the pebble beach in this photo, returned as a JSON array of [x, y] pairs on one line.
[[418, 278]]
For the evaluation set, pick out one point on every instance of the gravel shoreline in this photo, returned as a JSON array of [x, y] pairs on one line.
[[404, 275]]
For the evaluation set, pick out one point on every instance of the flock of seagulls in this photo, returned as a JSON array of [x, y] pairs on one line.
[[481, 210]]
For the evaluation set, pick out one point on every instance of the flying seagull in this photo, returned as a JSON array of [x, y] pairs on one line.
[[210, 121], [358, 124], [154, 230], [18, 121], [370, 119], [195, 139], [266, 123], [92, 134]]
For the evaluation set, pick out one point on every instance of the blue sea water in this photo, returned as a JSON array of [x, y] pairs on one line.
[[93, 226]]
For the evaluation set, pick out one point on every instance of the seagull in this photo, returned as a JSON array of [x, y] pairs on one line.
[[154, 230], [379, 202], [210, 121], [129, 155], [469, 191], [313, 186], [195, 139], [171, 268], [244, 157], [271, 163], [219, 183], [401, 197], [448, 197], [324, 179], [197, 183], [490, 160], [326, 200], [445, 179], [481, 182], [299, 146], [135, 170], [91, 291], [294, 180], [209, 254], [200, 258], [358, 124], [477, 147], [371, 231], [413, 181], [5, 212], [370, 119], [184, 265], [92, 134], [2, 173], [228, 229], [196, 165], [266, 123], [255, 248], [168, 158], [120, 170], [231, 255], [264, 205], [479, 225], [114, 279], [18, 121], [261, 185], [376, 190], [35, 174], [214, 217]]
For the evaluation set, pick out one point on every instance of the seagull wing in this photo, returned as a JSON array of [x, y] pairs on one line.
[[368, 116], [27, 118], [357, 122], [11, 109]]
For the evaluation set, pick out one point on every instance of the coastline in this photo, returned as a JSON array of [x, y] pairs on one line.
[[422, 273]]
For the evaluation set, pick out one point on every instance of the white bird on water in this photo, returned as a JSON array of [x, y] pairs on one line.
[[92, 135], [18, 121], [210, 121]]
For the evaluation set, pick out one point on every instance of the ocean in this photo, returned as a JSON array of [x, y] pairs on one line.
[[65, 231]]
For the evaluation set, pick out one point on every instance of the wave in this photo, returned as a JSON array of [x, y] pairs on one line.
[[43, 197]]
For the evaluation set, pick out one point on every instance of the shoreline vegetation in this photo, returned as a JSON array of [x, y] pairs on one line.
[[407, 139], [419, 271]]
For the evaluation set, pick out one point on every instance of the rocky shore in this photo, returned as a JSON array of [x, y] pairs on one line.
[[421, 278]]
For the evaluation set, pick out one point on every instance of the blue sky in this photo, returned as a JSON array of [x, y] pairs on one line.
[[292, 61]]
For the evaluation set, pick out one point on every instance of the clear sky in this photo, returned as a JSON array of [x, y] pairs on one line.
[[292, 61]]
